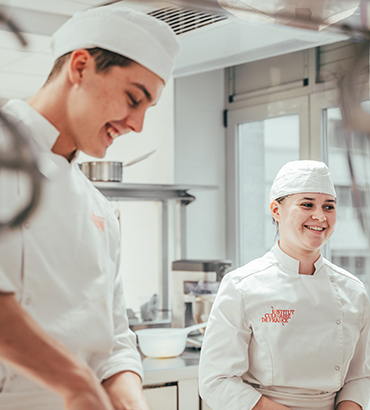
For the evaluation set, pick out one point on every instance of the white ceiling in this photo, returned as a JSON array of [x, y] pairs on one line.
[[24, 70]]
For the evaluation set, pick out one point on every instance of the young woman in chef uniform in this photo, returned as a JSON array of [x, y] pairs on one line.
[[290, 330]]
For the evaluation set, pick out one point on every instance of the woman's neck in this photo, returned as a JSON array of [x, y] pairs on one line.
[[306, 259]]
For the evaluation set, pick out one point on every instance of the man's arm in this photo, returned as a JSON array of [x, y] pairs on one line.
[[26, 346], [125, 391]]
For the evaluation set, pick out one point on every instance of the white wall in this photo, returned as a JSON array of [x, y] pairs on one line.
[[200, 160]]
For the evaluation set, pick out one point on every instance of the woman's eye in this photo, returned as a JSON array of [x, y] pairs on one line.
[[307, 205], [329, 207]]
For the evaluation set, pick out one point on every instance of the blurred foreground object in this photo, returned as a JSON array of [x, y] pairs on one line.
[[356, 122], [21, 155], [308, 14]]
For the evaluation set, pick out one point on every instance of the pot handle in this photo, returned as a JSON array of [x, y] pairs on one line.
[[190, 329]]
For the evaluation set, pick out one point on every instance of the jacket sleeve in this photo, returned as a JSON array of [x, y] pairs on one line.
[[124, 355], [224, 354], [6, 285], [357, 382], [11, 242]]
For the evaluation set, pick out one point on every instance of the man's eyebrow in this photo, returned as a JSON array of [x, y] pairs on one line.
[[144, 90]]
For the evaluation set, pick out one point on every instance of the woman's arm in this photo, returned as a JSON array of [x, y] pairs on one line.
[[348, 405], [266, 404], [356, 388], [224, 357]]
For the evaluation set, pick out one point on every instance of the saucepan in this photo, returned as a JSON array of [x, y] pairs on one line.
[[165, 342], [108, 171]]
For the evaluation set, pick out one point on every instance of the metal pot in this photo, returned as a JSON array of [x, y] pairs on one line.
[[201, 307], [107, 171]]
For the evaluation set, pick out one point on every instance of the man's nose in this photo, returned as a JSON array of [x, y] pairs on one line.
[[135, 120]]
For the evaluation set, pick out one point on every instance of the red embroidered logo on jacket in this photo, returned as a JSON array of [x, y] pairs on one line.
[[98, 221], [278, 316]]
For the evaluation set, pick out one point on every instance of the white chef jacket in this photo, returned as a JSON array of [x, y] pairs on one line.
[[297, 339], [63, 263]]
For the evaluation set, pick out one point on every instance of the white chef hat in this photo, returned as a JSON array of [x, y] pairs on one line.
[[138, 36], [302, 176]]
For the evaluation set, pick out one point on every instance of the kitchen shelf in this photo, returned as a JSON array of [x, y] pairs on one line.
[[148, 192]]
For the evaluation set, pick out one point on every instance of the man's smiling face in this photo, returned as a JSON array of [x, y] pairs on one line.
[[104, 105]]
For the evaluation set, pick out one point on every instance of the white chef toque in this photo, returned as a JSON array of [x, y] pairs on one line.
[[302, 176], [132, 34]]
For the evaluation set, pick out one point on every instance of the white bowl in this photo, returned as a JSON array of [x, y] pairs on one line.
[[162, 342]]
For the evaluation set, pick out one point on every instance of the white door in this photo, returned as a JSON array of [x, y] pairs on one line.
[[260, 139]]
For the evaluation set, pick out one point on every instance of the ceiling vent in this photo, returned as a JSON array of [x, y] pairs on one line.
[[183, 20]]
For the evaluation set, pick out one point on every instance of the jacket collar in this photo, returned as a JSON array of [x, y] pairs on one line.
[[41, 130], [291, 264]]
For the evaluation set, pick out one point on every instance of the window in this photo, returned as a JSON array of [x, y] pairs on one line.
[[264, 147], [260, 140], [349, 245], [264, 98]]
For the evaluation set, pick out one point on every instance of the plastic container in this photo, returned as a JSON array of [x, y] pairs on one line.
[[164, 342]]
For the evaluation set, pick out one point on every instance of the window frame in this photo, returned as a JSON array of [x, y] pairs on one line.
[[293, 105]]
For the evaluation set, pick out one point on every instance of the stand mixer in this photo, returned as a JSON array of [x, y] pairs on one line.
[[194, 287]]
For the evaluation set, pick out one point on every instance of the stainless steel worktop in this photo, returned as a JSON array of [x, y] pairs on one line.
[[159, 371]]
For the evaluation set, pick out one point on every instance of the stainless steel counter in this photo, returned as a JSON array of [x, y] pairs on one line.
[[160, 371]]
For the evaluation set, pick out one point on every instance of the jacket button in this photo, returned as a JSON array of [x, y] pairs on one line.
[[337, 368], [332, 279], [339, 322]]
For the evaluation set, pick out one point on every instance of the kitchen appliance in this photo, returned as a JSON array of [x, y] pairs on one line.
[[164, 342], [194, 287]]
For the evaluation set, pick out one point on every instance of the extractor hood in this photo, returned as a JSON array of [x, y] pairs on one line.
[[210, 39], [214, 39]]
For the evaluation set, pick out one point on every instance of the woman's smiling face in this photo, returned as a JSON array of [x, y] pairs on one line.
[[306, 221]]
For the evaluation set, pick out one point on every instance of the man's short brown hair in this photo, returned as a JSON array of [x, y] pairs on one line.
[[104, 60]]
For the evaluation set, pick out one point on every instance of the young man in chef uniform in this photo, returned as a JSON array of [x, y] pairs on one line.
[[64, 335]]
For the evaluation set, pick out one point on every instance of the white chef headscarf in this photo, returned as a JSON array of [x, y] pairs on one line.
[[138, 36], [302, 176]]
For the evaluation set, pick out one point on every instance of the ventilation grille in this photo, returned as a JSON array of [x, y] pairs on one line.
[[182, 21]]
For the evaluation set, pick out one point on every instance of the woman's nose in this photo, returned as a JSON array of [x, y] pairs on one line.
[[319, 215]]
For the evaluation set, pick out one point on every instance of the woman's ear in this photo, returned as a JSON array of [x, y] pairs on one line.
[[79, 61], [275, 210]]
